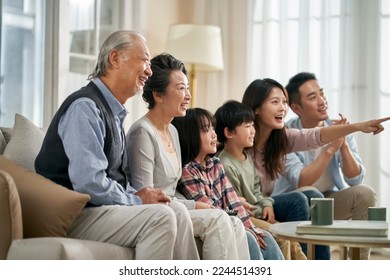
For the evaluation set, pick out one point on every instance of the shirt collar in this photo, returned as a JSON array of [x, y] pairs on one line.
[[209, 164], [116, 107]]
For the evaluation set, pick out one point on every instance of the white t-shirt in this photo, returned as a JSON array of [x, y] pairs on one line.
[[325, 182]]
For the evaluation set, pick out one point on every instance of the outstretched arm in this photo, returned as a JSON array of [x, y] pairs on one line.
[[330, 133]]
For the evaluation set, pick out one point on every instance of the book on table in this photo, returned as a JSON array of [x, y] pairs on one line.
[[348, 227]]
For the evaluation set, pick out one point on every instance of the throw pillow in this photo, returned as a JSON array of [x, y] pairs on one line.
[[2, 143], [7, 132], [25, 144], [48, 209], [11, 214]]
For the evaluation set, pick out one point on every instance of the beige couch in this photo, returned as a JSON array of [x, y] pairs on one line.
[[35, 213]]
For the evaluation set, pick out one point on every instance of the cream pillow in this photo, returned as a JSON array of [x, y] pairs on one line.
[[7, 131], [48, 209], [2, 143], [25, 144]]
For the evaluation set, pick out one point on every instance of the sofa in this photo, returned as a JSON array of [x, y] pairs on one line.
[[35, 213]]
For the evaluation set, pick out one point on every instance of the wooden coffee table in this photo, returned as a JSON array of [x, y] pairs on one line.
[[287, 231]]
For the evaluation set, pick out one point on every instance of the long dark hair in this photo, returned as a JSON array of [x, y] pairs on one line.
[[189, 128], [276, 146]]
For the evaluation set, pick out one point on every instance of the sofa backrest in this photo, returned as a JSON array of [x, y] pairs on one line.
[[11, 213]]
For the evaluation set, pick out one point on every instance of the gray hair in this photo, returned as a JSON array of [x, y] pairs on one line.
[[118, 40]]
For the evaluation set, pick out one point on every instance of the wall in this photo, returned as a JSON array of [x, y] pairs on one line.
[[158, 16]]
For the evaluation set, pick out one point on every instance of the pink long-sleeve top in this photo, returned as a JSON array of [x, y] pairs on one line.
[[298, 140]]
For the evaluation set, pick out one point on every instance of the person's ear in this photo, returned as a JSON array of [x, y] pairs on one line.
[[158, 97], [297, 109], [228, 133], [114, 58]]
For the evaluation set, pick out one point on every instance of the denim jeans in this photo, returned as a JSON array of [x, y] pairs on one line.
[[295, 206], [254, 248], [312, 193], [271, 252], [291, 206]]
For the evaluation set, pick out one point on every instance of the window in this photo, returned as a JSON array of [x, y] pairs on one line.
[[36, 76], [290, 36], [90, 23], [345, 43], [22, 60]]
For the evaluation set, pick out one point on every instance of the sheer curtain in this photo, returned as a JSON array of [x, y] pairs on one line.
[[385, 102], [342, 41], [359, 79]]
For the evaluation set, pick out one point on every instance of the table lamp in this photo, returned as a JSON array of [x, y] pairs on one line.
[[199, 47]]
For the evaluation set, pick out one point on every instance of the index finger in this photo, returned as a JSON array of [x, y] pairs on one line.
[[383, 119]]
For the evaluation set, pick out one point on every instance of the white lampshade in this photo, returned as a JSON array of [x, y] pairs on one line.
[[198, 46]]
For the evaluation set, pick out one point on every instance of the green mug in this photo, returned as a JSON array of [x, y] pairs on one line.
[[321, 211], [377, 213]]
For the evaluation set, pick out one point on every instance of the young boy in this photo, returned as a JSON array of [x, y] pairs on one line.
[[235, 131]]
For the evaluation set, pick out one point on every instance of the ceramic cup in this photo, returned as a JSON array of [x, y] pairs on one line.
[[321, 211], [377, 213]]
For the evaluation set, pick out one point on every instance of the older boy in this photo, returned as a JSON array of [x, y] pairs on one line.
[[235, 130]]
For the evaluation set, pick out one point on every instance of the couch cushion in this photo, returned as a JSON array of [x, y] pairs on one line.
[[48, 209], [67, 249], [11, 214], [2, 143], [26, 141]]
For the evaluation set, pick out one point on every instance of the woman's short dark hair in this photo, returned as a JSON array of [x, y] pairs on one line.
[[162, 66]]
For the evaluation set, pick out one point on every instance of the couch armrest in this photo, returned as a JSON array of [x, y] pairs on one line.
[[60, 248]]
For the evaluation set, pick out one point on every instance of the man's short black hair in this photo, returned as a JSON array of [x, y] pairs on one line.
[[295, 83]]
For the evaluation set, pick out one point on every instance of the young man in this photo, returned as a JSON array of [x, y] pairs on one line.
[[325, 168], [83, 150]]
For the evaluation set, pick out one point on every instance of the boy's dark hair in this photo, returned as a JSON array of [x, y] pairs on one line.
[[295, 83], [230, 115], [189, 127]]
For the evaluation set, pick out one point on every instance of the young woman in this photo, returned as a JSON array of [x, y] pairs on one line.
[[203, 178], [268, 100], [154, 158]]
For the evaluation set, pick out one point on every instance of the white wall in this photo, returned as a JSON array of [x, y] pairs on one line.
[[157, 17]]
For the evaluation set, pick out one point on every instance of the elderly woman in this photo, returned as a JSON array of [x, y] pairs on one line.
[[154, 157]]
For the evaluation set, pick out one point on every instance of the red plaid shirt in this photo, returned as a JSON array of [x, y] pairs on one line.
[[211, 185]]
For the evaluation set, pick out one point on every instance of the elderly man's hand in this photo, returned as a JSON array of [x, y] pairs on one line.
[[150, 195]]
